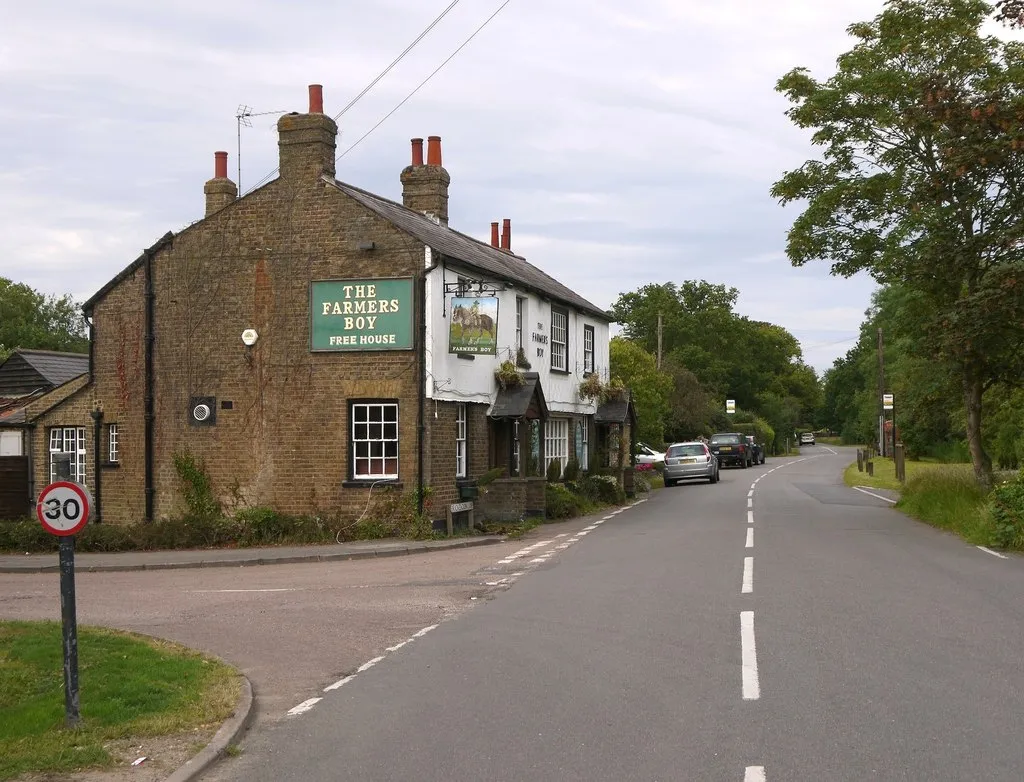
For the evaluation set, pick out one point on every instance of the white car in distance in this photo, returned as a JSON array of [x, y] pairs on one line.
[[647, 455]]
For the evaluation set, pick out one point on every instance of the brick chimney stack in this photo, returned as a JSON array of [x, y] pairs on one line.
[[425, 187], [506, 234], [220, 191], [494, 234], [307, 142]]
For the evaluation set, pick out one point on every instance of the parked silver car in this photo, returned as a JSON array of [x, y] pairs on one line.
[[690, 460]]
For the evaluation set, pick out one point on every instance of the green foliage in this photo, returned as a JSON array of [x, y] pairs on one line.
[[508, 375], [949, 498], [131, 686], [636, 369], [491, 475], [554, 474], [562, 503], [921, 147], [1006, 513], [603, 489], [196, 486], [29, 319], [572, 470]]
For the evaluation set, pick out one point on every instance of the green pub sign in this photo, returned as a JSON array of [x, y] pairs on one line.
[[361, 314]]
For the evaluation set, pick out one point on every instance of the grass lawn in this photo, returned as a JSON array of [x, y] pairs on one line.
[[129, 686], [885, 473]]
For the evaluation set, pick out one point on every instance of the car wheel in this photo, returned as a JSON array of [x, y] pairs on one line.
[[714, 477], [745, 463], [763, 458], [669, 483]]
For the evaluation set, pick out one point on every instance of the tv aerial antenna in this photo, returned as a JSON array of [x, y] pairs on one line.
[[243, 117]]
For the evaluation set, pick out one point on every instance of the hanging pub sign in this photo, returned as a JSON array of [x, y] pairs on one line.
[[474, 325], [361, 314]]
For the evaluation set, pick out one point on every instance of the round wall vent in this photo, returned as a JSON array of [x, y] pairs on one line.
[[201, 412]]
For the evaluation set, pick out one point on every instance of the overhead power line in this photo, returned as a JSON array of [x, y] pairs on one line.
[[422, 83], [379, 76]]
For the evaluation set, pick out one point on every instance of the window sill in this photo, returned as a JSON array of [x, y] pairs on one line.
[[366, 484], [559, 371], [110, 465]]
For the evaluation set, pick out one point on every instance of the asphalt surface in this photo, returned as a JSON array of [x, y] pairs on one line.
[[857, 644]]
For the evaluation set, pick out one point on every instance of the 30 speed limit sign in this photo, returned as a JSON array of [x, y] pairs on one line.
[[63, 508]]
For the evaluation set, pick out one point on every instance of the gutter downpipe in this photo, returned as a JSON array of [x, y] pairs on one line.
[[422, 393], [150, 338], [97, 424]]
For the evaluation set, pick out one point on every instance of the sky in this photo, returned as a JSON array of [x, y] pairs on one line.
[[629, 143]]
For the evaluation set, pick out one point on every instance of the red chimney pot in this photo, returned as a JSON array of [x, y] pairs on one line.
[[417, 152], [494, 234], [316, 99], [220, 165], [433, 150], [506, 234]]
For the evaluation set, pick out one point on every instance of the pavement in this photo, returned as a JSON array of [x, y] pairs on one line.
[[205, 558]]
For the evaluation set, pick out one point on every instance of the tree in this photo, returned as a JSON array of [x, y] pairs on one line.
[[921, 183], [637, 368], [1011, 12], [29, 319]]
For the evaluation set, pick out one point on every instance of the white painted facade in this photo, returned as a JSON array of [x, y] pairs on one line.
[[451, 378]]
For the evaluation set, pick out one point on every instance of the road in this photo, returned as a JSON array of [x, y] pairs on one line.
[[776, 626]]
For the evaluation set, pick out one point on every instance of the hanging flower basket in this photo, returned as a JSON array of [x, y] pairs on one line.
[[508, 375], [591, 387]]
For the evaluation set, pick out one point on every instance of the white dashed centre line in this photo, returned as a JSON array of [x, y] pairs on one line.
[[751, 685], [755, 774], [340, 683], [748, 576], [750, 537], [750, 517], [750, 502]]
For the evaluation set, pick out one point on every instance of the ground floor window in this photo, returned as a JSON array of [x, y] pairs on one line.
[[582, 444], [460, 440], [556, 442], [375, 440], [10, 444], [69, 440], [113, 444]]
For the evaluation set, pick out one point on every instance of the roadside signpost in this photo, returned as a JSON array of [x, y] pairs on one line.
[[63, 510], [730, 406]]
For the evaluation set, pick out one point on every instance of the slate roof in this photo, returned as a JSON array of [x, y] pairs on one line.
[[514, 402], [473, 253], [56, 368], [615, 411]]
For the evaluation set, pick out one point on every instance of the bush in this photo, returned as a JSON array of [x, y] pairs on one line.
[[604, 489], [1006, 513], [555, 471], [561, 503], [949, 498], [572, 471]]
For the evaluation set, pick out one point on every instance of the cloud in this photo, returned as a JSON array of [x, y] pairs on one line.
[[628, 144]]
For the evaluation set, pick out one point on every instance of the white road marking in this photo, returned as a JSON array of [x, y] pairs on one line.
[[396, 647], [369, 664], [536, 561], [303, 707], [591, 527], [750, 537], [211, 591], [563, 535], [830, 450], [582, 533], [424, 631], [599, 521], [751, 492], [755, 774], [748, 576], [750, 517], [878, 496], [993, 553], [342, 682], [751, 685], [750, 502]]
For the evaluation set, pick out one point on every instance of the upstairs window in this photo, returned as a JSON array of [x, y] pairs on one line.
[[588, 350], [520, 316], [113, 444], [560, 340]]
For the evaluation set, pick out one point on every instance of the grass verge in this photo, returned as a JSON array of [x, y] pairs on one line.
[[885, 473], [949, 498], [129, 685]]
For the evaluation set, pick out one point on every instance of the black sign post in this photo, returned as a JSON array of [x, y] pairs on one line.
[[63, 510]]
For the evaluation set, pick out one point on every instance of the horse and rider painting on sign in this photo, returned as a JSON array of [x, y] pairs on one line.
[[474, 325]]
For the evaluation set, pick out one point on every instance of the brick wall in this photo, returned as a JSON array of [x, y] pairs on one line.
[[510, 499], [441, 453]]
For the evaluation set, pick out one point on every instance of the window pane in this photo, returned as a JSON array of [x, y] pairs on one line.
[[391, 431]]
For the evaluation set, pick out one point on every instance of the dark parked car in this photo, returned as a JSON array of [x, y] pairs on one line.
[[731, 448], [757, 449]]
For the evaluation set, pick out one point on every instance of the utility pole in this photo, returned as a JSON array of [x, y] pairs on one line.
[[881, 393], [659, 341]]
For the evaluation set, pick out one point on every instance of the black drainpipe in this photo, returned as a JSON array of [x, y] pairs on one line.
[[422, 392], [97, 498], [149, 407]]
